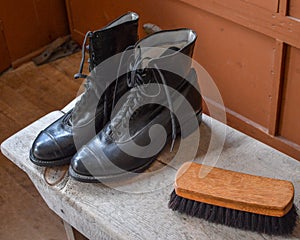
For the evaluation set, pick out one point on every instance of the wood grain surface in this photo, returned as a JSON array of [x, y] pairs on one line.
[[234, 190], [26, 94]]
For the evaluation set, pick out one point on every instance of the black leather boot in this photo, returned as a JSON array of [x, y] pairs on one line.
[[113, 153], [57, 144]]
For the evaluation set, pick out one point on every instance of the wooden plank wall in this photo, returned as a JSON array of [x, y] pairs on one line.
[[250, 48], [28, 25]]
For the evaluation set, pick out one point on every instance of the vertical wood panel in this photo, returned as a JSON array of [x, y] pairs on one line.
[[277, 85], [229, 53], [294, 8], [290, 114], [31, 24], [283, 7]]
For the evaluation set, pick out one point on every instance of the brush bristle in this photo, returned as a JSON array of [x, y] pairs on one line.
[[235, 218]]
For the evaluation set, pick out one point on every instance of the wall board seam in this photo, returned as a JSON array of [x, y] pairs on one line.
[[283, 7], [278, 71], [257, 131], [272, 24]]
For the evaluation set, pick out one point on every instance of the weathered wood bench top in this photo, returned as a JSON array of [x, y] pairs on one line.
[[137, 209]]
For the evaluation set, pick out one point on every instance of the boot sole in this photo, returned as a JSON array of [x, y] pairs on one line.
[[49, 163], [110, 178]]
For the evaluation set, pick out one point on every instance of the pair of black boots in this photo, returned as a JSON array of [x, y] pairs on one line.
[[133, 87]]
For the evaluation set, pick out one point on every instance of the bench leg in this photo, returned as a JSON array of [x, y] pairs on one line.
[[72, 233]]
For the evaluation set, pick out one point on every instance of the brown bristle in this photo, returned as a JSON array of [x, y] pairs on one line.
[[235, 199], [235, 218]]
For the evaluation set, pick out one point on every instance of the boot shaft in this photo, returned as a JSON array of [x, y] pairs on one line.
[[104, 43], [169, 52], [161, 63], [113, 38]]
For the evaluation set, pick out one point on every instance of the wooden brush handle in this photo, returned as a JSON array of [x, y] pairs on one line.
[[239, 191]]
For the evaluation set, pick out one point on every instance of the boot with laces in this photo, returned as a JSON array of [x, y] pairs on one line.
[[57, 144], [160, 71]]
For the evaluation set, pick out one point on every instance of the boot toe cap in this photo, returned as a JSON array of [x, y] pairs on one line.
[[80, 162], [45, 148], [88, 164]]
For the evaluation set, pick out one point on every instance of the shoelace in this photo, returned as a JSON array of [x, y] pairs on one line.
[[87, 84], [80, 74], [135, 81], [118, 74]]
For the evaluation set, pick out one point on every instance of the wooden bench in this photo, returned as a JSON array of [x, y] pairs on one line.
[[137, 209]]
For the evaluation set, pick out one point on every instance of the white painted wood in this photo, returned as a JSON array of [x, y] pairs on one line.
[[137, 208], [72, 234], [69, 231]]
